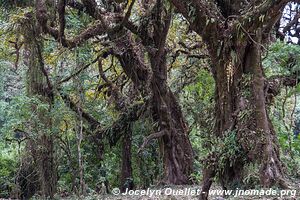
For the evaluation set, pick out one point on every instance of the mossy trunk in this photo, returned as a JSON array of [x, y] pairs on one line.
[[241, 108], [151, 81], [41, 147], [175, 145]]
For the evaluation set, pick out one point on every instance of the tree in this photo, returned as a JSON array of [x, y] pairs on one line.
[[41, 147], [172, 128], [236, 33], [106, 78]]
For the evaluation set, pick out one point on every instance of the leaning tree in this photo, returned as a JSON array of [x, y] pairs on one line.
[[236, 33]]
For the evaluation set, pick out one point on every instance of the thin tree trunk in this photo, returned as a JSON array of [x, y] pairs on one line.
[[79, 131], [80, 162], [126, 170]]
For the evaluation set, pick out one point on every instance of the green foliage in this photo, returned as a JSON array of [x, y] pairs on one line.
[[251, 175], [283, 59], [226, 151], [8, 168], [19, 114], [10, 4], [147, 166], [198, 104]]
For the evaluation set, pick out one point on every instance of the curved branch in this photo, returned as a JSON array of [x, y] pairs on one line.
[[78, 71], [269, 9], [151, 137], [74, 107], [128, 13], [204, 17], [42, 17]]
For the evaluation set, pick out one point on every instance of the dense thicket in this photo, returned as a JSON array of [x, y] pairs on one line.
[[129, 94]]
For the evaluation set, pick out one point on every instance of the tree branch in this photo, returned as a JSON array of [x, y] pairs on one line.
[[91, 31], [62, 20], [114, 132], [103, 54], [204, 17], [78, 71], [269, 9], [190, 55], [151, 137], [128, 13], [74, 107]]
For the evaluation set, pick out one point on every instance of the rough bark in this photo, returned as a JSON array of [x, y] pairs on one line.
[[27, 176], [38, 85], [126, 169], [175, 144], [242, 107], [122, 105], [235, 49], [176, 147]]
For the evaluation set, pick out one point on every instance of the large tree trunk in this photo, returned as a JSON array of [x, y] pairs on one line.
[[175, 145], [47, 167], [266, 149], [241, 107], [176, 148], [38, 85], [234, 34]]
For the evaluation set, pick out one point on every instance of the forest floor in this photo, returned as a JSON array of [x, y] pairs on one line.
[[293, 195]]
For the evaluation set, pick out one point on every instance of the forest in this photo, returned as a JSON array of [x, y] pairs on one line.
[[149, 99]]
